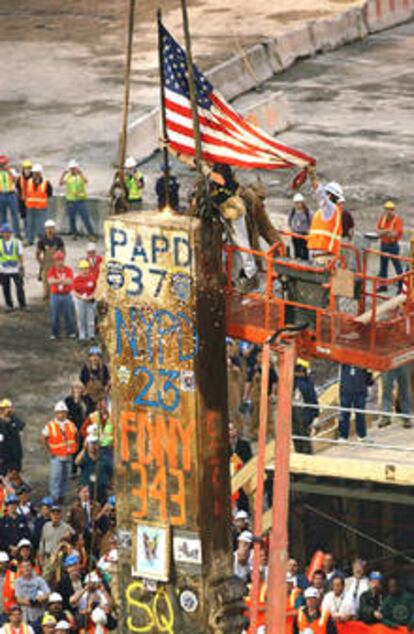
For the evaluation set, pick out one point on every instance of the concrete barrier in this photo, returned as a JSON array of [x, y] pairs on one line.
[[291, 46], [98, 209], [331, 33], [382, 14]]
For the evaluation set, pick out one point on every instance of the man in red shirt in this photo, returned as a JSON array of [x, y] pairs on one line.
[[83, 291], [390, 232], [94, 259], [60, 278]]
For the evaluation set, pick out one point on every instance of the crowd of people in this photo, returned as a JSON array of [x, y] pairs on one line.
[[58, 556]]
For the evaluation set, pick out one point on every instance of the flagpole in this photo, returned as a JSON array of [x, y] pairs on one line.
[[205, 206], [123, 137], [165, 158]]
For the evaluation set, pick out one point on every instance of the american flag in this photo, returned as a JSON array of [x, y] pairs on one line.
[[226, 136]]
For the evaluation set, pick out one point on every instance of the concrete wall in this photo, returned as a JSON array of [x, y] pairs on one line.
[[246, 71]]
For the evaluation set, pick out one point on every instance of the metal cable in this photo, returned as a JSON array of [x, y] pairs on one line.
[[373, 445], [339, 408], [351, 529]]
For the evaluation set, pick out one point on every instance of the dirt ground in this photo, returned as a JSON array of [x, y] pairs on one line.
[[62, 68]]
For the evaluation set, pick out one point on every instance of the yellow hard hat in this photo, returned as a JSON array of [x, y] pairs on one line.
[[6, 402], [389, 204], [84, 264], [48, 619], [26, 163], [303, 363]]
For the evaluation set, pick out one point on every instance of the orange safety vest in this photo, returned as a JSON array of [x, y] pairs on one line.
[[23, 629], [62, 443], [8, 589], [317, 627], [325, 235], [36, 197], [23, 182]]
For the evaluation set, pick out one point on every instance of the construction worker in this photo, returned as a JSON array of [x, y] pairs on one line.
[[390, 231], [83, 290], [401, 376], [46, 248], [59, 438], [6, 585], [294, 601], [134, 182], [16, 624], [11, 267], [38, 192], [299, 221], [60, 279], [310, 620], [48, 624], [21, 186], [324, 242], [8, 199], [76, 195]]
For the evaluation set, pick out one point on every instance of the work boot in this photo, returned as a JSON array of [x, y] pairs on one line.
[[248, 284], [384, 421]]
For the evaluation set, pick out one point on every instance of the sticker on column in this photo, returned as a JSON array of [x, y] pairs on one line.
[[115, 275], [187, 549], [188, 601], [123, 373], [181, 286], [187, 381]]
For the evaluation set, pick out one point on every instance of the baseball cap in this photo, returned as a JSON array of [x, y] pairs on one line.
[[71, 560], [375, 575], [12, 499], [56, 507], [46, 501], [311, 593]]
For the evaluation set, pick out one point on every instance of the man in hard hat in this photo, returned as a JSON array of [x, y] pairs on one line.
[[21, 187], [310, 619], [300, 219], [8, 198], [60, 279], [38, 192], [134, 181], [324, 242], [46, 248], [11, 267], [76, 195], [390, 231], [59, 438], [83, 292], [94, 259]]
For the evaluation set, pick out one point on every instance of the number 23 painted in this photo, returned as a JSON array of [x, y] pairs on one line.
[[167, 388]]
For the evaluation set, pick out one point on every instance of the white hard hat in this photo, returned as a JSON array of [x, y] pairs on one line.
[[246, 536], [92, 577], [298, 198], [4, 558], [91, 246], [24, 542], [92, 438], [130, 162], [113, 556], [55, 597], [62, 625], [241, 515], [37, 168], [99, 617], [335, 189], [72, 163], [311, 593], [50, 223], [61, 406]]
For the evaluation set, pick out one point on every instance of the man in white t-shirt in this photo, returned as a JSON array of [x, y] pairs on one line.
[[358, 583], [337, 604], [242, 556]]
